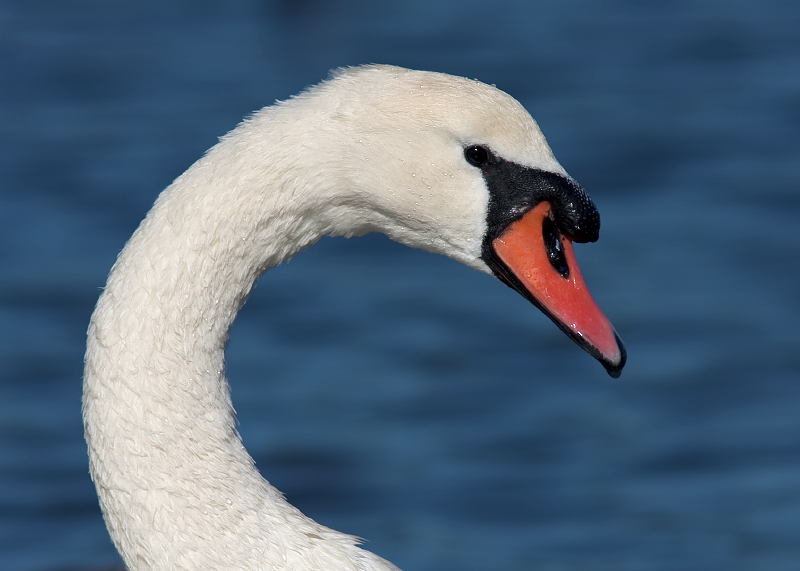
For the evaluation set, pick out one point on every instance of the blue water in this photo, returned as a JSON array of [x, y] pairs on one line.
[[396, 395]]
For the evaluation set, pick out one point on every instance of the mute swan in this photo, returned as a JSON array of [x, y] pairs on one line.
[[441, 163]]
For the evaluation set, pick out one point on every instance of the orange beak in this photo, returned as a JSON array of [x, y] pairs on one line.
[[556, 288]]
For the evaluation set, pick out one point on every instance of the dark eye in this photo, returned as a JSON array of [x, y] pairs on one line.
[[476, 155]]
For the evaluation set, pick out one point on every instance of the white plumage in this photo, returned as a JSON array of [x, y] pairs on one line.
[[375, 148]]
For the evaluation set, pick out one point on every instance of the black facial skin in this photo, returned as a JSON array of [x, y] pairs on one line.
[[513, 191]]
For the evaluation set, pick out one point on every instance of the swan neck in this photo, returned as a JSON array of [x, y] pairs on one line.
[[164, 451]]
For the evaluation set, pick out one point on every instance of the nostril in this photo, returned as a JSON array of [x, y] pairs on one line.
[[554, 247]]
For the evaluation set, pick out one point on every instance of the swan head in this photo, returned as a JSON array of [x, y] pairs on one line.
[[458, 167]]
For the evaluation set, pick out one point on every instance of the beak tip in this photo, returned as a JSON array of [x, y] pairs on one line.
[[614, 368]]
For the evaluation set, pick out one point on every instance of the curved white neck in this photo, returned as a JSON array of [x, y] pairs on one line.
[[172, 475]]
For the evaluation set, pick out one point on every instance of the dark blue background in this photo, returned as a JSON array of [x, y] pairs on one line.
[[396, 395]]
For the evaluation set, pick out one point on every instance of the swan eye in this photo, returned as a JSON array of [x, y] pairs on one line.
[[476, 155]]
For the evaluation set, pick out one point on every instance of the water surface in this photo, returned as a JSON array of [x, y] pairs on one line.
[[396, 395]]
